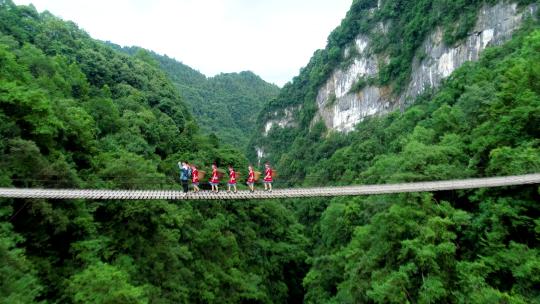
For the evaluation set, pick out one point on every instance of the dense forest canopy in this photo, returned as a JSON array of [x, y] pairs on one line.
[[76, 112]]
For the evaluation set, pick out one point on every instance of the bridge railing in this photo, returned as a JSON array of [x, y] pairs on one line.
[[351, 190], [172, 182]]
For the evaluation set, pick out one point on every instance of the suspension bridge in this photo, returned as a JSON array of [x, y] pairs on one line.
[[102, 194]]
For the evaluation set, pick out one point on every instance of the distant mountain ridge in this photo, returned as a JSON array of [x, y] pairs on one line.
[[226, 105]]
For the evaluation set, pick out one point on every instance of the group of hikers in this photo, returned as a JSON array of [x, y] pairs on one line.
[[190, 171]]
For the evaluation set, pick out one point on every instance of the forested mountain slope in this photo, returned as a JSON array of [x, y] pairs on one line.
[[226, 105], [76, 113]]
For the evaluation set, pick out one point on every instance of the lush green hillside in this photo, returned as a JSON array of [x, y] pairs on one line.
[[226, 105], [76, 113]]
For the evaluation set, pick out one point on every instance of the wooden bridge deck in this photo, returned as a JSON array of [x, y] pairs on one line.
[[94, 194]]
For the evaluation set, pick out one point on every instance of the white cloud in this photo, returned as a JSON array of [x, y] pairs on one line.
[[271, 38]]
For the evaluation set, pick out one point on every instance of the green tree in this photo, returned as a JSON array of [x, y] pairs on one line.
[[19, 282], [103, 284]]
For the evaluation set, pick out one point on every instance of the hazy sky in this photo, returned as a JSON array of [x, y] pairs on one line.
[[273, 38]]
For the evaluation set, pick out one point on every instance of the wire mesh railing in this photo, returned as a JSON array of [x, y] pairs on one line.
[[158, 183]]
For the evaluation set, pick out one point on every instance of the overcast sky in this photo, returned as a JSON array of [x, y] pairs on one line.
[[273, 38]]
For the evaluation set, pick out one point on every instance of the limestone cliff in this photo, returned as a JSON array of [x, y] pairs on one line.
[[383, 55], [341, 109]]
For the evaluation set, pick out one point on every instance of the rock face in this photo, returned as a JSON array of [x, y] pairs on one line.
[[281, 119], [338, 107], [341, 109]]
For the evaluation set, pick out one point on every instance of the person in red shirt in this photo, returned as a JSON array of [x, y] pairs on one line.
[[214, 179], [195, 178], [232, 179], [251, 179], [267, 178]]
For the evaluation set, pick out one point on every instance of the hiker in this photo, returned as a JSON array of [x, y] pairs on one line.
[[267, 178], [195, 178], [251, 179], [232, 180], [185, 174], [214, 179]]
